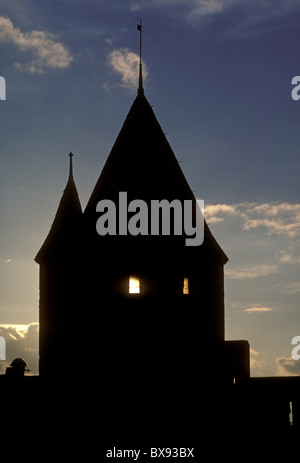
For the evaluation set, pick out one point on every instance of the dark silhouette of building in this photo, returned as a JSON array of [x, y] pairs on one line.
[[156, 363], [164, 328], [163, 346]]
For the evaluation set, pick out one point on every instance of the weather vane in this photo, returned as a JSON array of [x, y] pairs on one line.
[[71, 164], [140, 29]]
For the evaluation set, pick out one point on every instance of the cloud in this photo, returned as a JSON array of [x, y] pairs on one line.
[[289, 259], [21, 342], [274, 219], [194, 8], [200, 8], [47, 52], [257, 309], [251, 271], [251, 12], [257, 361], [278, 226], [286, 366], [292, 287], [126, 63], [215, 213], [252, 16], [214, 209], [277, 219]]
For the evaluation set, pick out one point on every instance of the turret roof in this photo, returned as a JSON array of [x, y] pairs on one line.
[[65, 223]]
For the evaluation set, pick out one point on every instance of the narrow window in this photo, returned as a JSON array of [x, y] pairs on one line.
[[185, 286], [291, 417], [134, 285]]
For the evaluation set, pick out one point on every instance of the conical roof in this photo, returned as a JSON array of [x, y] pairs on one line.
[[65, 225], [143, 164]]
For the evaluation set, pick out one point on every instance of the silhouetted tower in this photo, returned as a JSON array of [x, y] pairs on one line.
[[174, 319], [154, 306], [59, 281]]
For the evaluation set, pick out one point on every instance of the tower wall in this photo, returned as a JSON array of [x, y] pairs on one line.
[[60, 315]]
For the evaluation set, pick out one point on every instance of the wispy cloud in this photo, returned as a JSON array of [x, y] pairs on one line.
[[251, 15], [264, 226], [193, 7], [273, 219], [292, 288], [286, 258], [215, 213], [278, 219], [47, 52], [126, 64], [252, 271], [207, 7], [258, 309], [200, 8]]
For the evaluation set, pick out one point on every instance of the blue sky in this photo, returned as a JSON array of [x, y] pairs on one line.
[[218, 74]]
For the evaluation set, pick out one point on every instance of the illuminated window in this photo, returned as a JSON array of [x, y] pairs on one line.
[[134, 285], [185, 286]]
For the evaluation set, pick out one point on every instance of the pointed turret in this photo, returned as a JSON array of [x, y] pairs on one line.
[[65, 224], [59, 259]]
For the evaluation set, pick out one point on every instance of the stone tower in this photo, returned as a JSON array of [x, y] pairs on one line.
[[156, 305]]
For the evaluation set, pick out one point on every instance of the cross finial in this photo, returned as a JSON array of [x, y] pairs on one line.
[[71, 164], [140, 89]]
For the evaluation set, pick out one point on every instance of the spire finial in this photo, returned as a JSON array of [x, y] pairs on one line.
[[140, 89], [71, 164]]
